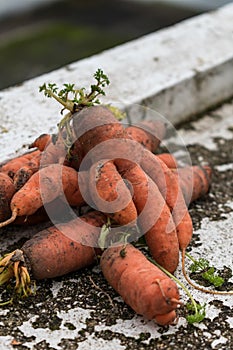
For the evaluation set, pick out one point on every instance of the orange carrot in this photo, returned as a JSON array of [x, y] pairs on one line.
[[148, 133], [143, 286], [7, 190], [23, 174], [169, 187], [110, 194], [53, 252], [65, 247], [194, 181], [93, 126], [41, 142], [168, 159], [44, 186], [26, 220], [13, 165], [55, 211], [54, 152], [154, 218]]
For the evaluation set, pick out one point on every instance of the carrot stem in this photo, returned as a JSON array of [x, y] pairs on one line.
[[178, 282], [204, 290], [66, 104]]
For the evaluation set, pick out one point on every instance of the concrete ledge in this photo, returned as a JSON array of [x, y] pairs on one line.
[[179, 71]]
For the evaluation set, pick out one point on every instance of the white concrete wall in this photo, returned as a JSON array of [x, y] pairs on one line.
[[179, 72]]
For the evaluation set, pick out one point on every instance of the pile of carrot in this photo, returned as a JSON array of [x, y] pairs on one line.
[[128, 191]]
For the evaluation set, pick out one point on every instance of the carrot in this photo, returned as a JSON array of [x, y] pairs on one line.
[[148, 133], [7, 190], [96, 126], [23, 174], [122, 150], [142, 285], [39, 216], [13, 165], [41, 142], [110, 194], [54, 152], [154, 218], [93, 126], [169, 187], [168, 159], [44, 186], [55, 211], [64, 248], [194, 181], [53, 148], [53, 252]]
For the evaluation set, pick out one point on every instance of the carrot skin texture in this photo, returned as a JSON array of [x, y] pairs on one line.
[[64, 248], [194, 181], [13, 165], [168, 159], [54, 152], [110, 194], [169, 187], [143, 286], [41, 142], [53, 211], [44, 186], [154, 219], [26, 171], [148, 133], [93, 126], [167, 319], [7, 190]]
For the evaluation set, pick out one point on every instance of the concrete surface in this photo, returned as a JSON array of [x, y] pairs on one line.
[[72, 312], [179, 71]]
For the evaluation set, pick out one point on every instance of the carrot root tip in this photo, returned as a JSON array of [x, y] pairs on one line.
[[10, 220]]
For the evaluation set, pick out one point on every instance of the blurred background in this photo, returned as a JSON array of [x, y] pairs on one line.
[[37, 36]]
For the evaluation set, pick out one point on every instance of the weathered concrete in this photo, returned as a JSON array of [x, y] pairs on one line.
[[179, 71], [71, 312]]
